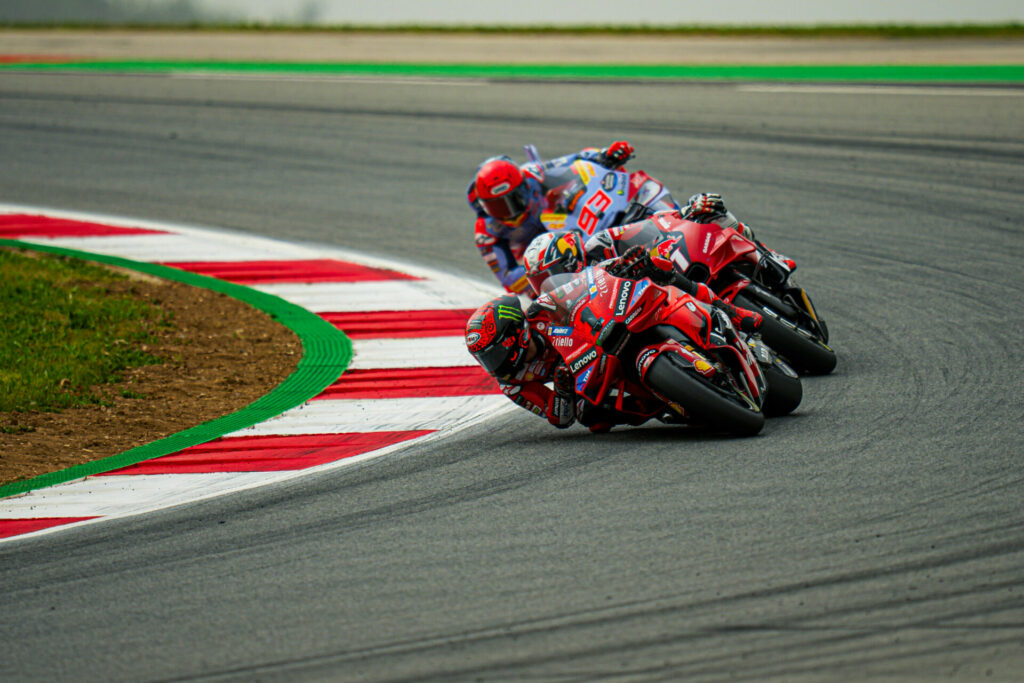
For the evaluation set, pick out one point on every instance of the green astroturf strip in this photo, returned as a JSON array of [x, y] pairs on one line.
[[932, 73], [326, 352]]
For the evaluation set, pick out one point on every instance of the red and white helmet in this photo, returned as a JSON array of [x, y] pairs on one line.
[[553, 253], [503, 194]]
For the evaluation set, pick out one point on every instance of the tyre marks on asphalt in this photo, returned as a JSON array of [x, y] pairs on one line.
[[410, 377]]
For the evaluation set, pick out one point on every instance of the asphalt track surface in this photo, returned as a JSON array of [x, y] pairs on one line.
[[875, 534]]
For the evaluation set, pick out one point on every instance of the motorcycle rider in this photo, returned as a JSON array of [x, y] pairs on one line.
[[516, 349], [508, 200], [636, 250]]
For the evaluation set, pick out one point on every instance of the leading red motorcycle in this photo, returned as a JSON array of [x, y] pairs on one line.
[[655, 352]]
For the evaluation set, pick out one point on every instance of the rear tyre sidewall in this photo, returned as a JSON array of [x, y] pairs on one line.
[[805, 355]]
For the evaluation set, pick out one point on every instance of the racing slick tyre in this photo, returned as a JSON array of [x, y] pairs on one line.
[[671, 377], [784, 392], [807, 356]]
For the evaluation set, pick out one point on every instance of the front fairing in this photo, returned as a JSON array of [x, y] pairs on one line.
[[706, 248], [594, 312], [600, 198]]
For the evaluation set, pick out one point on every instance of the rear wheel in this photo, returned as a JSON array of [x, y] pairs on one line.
[[806, 355], [784, 392], [670, 377]]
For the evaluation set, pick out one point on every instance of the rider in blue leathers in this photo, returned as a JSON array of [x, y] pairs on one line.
[[508, 200]]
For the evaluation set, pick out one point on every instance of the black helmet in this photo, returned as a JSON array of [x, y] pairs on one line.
[[497, 335]]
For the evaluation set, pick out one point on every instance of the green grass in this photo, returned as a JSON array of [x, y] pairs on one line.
[[67, 328]]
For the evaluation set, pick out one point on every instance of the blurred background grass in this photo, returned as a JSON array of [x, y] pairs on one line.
[[67, 328]]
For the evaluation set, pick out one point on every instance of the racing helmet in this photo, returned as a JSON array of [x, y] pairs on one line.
[[501, 189], [498, 336], [553, 253]]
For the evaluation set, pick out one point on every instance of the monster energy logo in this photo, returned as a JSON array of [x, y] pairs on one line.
[[509, 313]]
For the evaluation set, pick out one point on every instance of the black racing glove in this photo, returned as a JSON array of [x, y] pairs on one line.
[[630, 263], [562, 410], [636, 264]]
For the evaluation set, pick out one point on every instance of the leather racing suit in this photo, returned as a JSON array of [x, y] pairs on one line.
[[501, 244]]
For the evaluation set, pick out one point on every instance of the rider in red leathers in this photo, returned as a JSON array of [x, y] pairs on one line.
[[508, 200], [637, 249], [519, 349]]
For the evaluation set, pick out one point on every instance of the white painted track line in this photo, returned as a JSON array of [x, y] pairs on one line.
[[339, 416], [387, 295], [432, 352]]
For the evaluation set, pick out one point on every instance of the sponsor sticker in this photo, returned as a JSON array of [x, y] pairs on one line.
[[623, 298], [608, 182], [560, 331], [644, 361], [583, 361], [509, 313], [703, 367], [641, 286], [582, 380]]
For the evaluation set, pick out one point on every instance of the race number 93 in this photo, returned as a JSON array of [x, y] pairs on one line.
[[592, 211]]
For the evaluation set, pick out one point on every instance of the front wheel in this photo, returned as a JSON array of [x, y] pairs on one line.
[[669, 377], [809, 356]]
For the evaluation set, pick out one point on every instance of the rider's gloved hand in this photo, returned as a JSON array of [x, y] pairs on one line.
[[617, 154], [703, 205], [562, 406], [790, 263], [631, 264], [565, 384], [746, 321]]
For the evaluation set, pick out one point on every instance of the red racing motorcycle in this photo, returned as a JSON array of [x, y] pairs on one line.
[[646, 351], [746, 274]]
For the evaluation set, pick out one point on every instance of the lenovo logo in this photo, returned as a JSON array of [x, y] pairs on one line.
[[620, 306], [583, 361]]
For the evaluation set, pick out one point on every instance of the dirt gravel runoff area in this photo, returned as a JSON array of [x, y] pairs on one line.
[[220, 355]]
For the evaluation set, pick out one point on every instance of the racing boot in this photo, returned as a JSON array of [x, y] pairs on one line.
[[744, 320]]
